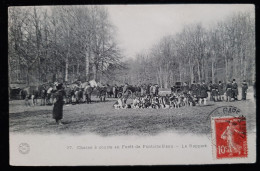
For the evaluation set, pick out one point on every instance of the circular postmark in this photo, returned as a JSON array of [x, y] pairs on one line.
[[24, 148]]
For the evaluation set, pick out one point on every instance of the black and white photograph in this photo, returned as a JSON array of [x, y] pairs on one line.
[[161, 84]]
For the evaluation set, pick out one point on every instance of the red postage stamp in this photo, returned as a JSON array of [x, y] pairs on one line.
[[229, 137]]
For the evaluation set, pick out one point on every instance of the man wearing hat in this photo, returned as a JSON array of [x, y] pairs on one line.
[[234, 89], [220, 91], [203, 93], [229, 91], [58, 105], [244, 90], [193, 89]]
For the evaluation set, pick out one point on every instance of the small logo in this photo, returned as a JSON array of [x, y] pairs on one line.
[[24, 148]]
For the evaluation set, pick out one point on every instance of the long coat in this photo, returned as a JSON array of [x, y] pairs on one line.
[[235, 89], [221, 89], [214, 90], [58, 105], [229, 90], [203, 91], [193, 89], [244, 90]]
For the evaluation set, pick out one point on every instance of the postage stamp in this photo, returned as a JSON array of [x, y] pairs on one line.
[[229, 136]]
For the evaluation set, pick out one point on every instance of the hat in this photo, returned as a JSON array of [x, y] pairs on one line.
[[59, 86]]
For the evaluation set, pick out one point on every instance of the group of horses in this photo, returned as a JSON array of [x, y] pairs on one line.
[[74, 93]]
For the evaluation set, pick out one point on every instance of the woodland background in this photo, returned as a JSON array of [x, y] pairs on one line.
[[69, 43]]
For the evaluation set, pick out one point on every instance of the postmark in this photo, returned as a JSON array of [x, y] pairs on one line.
[[24, 148], [229, 136]]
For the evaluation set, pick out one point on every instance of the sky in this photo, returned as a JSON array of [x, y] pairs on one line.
[[139, 27]]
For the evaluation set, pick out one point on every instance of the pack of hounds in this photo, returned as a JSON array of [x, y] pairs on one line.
[[164, 102], [196, 94]]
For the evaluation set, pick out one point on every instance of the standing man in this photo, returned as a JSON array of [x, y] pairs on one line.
[[214, 92], [220, 91], [203, 93], [156, 89], [234, 89], [210, 90], [151, 90], [198, 88], [148, 89], [229, 91], [43, 94], [115, 90], [186, 88], [244, 90], [193, 89]]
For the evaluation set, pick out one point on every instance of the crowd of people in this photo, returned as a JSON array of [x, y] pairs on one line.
[[144, 96], [195, 94]]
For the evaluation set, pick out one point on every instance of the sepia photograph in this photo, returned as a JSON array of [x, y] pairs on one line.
[[161, 84]]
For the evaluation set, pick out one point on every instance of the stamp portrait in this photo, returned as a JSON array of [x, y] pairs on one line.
[[230, 137]]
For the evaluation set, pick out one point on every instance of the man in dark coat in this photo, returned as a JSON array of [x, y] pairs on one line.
[[58, 105], [148, 89], [186, 88], [156, 89], [203, 93], [193, 89], [43, 94], [244, 90], [115, 91], [234, 89], [229, 91], [214, 91], [220, 91], [210, 90]]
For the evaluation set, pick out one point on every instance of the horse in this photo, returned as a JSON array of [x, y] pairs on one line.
[[31, 92], [109, 91], [88, 88]]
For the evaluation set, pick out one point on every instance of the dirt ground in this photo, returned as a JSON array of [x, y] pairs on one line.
[[100, 118]]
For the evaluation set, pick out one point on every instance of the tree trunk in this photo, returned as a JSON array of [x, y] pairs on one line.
[[199, 71], [212, 72], [87, 56]]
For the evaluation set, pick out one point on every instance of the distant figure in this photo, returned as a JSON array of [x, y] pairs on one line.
[[115, 91], [156, 89], [214, 92], [210, 90], [220, 91], [229, 91], [244, 90], [203, 93], [58, 105], [234, 89], [148, 89], [43, 94], [185, 88], [193, 89]]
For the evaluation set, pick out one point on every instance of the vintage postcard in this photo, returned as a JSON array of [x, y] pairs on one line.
[[93, 85]]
